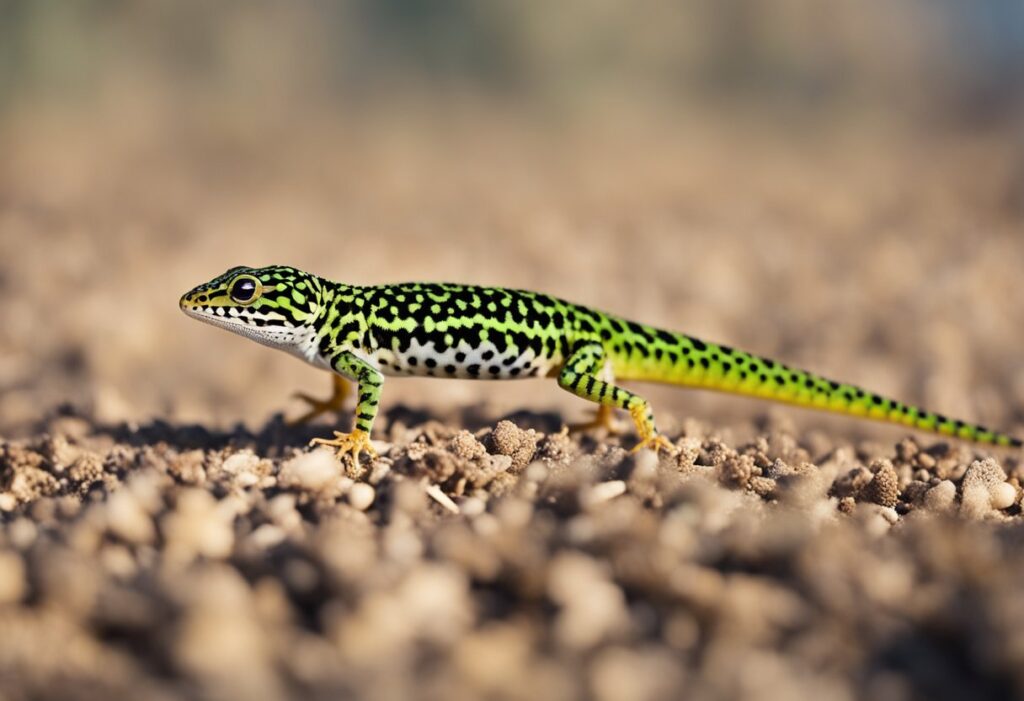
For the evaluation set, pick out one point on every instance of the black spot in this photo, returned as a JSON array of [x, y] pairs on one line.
[[876, 399], [667, 337], [494, 370], [487, 354], [412, 361], [450, 369], [473, 369], [460, 357], [705, 363], [430, 363]]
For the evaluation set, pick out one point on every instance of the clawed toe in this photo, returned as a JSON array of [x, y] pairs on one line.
[[655, 442], [348, 444]]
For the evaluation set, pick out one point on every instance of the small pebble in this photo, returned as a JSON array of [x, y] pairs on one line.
[[128, 520], [600, 493], [1002, 495], [361, 496], [314, 471], [435, 493], [267, 536], [244, 461], [22, 533], [472, 506]]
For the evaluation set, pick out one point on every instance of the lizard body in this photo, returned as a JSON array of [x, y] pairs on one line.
[[462, 331]]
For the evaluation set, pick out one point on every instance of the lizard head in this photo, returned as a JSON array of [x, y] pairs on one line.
[[275, 306]]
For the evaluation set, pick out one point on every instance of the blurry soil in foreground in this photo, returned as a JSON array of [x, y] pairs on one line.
[[153, 546]]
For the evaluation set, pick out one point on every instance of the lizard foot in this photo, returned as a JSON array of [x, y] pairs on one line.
[[603, 418], [655, 442], [335, 403], [348, 444]]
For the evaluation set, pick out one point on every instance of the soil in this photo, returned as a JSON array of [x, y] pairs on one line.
[[165, 534]]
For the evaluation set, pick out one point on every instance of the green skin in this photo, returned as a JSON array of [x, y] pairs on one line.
[[462, 331]]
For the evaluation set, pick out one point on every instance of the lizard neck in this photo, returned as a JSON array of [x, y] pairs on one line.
[[340, 324]]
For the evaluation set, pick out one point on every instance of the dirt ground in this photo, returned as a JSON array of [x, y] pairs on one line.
[[165, 534]]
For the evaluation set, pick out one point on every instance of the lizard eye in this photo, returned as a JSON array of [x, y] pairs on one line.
[[245, 289]]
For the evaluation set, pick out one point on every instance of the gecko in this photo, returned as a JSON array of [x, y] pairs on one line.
[[364, 333]]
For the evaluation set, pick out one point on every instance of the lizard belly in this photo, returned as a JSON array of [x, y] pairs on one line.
[[483, 362]]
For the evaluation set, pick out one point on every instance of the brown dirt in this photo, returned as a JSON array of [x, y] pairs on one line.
[[164, 533]]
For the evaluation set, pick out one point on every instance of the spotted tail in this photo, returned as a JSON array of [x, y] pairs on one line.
[[683, 360]]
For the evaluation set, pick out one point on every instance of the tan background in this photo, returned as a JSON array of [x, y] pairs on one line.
[[819, 183]]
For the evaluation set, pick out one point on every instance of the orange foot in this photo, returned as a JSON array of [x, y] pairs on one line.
[[348, 444], [335, 403], [655, 442], [604, 418]]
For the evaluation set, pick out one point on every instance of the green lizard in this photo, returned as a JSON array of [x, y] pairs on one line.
[[492, 333]]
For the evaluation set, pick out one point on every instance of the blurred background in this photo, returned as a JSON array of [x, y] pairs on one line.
[[837, 183]]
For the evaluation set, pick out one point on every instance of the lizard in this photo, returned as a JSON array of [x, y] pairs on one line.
[[364, 333]]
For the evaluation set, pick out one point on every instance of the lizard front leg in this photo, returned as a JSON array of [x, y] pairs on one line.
[[579, 376], [370, 381]]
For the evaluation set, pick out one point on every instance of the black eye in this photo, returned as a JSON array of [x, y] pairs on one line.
[[243, 290]]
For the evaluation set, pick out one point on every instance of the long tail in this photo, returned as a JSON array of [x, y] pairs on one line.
[[683, 360]]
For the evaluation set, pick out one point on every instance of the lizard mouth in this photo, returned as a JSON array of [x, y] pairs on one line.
[[258, 327]]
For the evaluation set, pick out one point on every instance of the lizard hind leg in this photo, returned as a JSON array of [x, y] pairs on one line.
[[340, 391], [580, 376], [604, 418]]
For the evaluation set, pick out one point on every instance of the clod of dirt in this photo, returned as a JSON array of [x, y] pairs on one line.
[[883, 489], [985, 473], [737, 470], [941, 497], [508, 439]]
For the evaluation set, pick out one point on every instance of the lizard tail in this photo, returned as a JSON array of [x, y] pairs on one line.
[[683, 360]]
